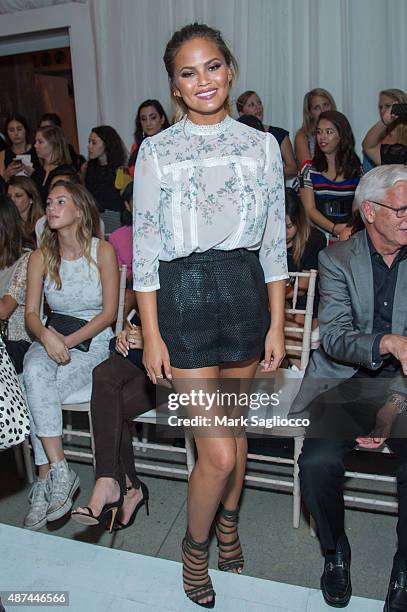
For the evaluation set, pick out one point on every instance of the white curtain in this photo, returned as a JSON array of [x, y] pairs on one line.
[[353, 48]]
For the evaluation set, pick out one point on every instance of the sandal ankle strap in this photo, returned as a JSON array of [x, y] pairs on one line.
[[229, 514], [189, 540]]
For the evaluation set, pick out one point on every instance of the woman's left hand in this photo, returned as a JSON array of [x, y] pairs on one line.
[[274, 350], [28, 169], [65, 339]]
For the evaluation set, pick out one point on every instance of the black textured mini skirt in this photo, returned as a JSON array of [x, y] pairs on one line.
[[213, 308]]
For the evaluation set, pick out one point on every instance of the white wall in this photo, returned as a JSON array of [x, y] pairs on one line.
[[353, 48]]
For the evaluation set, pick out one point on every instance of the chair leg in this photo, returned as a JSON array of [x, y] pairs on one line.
[[27, 461], [17, 450], [190, 451], [92, 442], [298, 442], [144, 437], [68, 425]]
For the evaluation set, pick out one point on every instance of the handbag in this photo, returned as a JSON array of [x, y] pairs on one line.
[[14, 417], [66, 325]]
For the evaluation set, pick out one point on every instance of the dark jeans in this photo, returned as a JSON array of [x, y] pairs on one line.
[[120, 392]]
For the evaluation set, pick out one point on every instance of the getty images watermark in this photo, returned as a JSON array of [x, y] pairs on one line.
[[212, 402]]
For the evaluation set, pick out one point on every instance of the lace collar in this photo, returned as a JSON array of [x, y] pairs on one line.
[[208, 130]]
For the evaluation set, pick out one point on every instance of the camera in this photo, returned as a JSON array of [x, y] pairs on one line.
[[399, 109]]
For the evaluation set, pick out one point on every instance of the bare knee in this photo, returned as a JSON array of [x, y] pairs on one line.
[[220, 460]]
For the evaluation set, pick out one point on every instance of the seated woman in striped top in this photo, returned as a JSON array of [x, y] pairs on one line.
[[328, 182]]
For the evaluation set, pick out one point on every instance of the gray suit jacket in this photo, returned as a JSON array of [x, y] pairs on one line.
[[345, 318]]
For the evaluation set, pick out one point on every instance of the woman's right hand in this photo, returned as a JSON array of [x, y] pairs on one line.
[[156, 358], [131, 337], [55, 346], [339, 227], [12, 169], [387, 116]]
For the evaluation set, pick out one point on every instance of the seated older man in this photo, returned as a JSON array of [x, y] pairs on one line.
[[355, 385]]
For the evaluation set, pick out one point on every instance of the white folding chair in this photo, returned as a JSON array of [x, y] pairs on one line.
[[288, 382], [150, 418], [369, 501]]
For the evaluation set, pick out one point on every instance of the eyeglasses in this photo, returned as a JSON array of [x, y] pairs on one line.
[[400, 212]]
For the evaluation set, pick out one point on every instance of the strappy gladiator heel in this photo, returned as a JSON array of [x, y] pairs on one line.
[[230, 553], [195, 571]]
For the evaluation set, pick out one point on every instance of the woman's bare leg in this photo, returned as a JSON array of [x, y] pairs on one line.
[[230, 499], [219, 471]]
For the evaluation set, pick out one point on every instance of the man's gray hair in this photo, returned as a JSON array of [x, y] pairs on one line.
[[374, 183]]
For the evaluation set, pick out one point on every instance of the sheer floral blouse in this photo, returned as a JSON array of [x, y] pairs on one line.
[[200, 187]]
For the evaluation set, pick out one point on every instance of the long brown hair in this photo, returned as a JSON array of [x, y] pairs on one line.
[[55, 136], [11, 232], [295, 210], [36, 211], [242, 99], [346, 160], [189, 32], [50, 248]]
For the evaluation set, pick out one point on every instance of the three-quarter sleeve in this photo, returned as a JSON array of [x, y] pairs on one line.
[[146, 219], [273, 251]]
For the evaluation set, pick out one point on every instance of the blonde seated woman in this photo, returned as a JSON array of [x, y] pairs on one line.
[[79, 275], [386, 140], [315, 102], [304, 243]]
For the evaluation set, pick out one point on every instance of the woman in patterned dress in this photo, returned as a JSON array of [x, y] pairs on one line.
[[79, 275]]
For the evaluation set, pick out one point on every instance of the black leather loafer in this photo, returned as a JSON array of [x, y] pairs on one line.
[[336, 586], [396, 600]]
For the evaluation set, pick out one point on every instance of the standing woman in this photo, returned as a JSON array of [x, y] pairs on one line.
[[249, 103], [17, 135], [315, 102], [106, 154], [328, 182], [150, 120], [209, 191]]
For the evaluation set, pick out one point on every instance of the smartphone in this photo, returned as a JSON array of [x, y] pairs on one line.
[[399, 109], [23, 159]]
